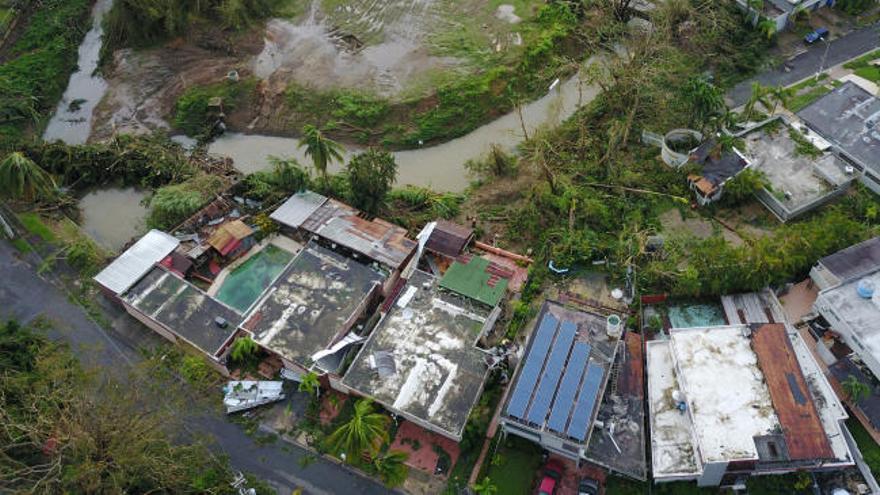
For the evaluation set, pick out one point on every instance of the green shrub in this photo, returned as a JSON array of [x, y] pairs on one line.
[[191, 113], [171, 205]]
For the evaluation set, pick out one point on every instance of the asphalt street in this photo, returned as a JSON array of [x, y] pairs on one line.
[[24, 296], [808, 63]]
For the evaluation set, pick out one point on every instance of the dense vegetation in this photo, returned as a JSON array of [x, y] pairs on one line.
[[67, 431], [34, 69]]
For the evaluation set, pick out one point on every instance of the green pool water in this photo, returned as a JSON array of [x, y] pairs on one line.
[[696, 315], [245, 284]]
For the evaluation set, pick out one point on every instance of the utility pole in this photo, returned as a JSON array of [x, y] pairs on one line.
[[824, 57]]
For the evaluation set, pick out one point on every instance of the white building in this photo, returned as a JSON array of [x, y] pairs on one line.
[[729, 402]]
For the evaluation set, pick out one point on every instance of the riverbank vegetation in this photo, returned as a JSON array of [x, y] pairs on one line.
[[36, 58], [69, 431], [590, 191]]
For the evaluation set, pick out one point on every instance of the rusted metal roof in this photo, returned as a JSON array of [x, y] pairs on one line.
[[449, 238], [805, 437], [376, 239]]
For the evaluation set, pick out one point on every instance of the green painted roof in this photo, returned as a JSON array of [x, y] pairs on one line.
[[471, 280]]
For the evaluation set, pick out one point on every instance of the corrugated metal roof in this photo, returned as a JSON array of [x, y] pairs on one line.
[[136, 261], [298, 208], [473, 280], [449, 238]]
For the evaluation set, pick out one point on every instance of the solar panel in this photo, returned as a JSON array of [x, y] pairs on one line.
[[528, 377], [583, 411], [552, 372], [564, 402]]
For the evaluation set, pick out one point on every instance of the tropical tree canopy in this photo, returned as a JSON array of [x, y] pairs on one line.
[[364, 432], [704, 98], [21, 178], [391, 468], [320, 149], [370, 176]]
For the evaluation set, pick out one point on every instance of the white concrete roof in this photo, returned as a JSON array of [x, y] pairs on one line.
[[673, 453], [860, 315], [136, 261], [724, 388]]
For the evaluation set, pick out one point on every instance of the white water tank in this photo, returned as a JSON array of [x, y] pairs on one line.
[[613, 326]]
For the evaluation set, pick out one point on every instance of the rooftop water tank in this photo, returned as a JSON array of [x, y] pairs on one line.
[[865, 288], [613, 326]]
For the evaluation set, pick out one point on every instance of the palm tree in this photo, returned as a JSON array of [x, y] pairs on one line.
[[759, 95], [767, 27], [391, 468], [855, 389], [364, 432], [320, 149], [310, 383], [780, 96], [485, 487], [20, 177]]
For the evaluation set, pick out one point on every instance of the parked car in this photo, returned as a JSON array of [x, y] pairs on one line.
[[588, 486], [816, 35], [550, 479]]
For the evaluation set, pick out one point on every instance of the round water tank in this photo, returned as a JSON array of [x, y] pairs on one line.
[[613, 326], [865, 288]]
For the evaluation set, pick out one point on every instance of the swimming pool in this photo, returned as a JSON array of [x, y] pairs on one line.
[[696, 315], [246, 283]]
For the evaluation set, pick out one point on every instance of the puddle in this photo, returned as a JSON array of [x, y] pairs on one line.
[[439, 167], [113, 216], [696, 315], [72, 120]]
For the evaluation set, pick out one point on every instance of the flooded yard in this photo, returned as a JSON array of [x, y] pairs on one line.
[[113, 216]]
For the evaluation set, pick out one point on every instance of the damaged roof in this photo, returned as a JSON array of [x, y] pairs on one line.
[[311, 304], [718, 166], [339, 223], [449, 238], [475, 279], [421, 360], [136, 261], [184, 309]]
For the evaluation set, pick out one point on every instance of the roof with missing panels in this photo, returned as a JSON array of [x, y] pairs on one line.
[[802, 428], [848, 116], [311, 304], [855, 260], [717, 166], [421, 360], [339, 223], [184, 309], [475, 280], [136, 261]]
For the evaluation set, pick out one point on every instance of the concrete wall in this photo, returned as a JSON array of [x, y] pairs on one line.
[[713, 472]]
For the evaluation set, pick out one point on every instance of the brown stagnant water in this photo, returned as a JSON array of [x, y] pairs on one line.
[[112, 216], [439, 167]]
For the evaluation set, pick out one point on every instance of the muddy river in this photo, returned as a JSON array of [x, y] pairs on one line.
[[439, 167], [113, 215], [72, 120]]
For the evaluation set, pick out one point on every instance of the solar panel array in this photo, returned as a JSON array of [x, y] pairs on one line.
[[557, 385]]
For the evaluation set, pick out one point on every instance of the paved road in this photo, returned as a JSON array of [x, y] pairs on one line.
[[25, 296], [806, 64]]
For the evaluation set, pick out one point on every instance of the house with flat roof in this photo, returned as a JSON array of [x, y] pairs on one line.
[[717, 166], [312, 306], [848, 118], [422, 361], [729, 402], [555, 396], [798, 181], [847, 264], [781, 11]]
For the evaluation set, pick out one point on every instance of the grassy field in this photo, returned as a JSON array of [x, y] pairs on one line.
[[863, 68], [514, 466]]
